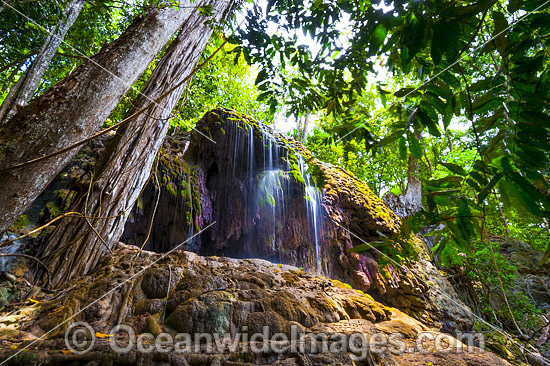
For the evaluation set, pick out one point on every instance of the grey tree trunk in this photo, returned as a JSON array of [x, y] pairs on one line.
[[409, 202], [76, 107], [25, 87], [125, 166]]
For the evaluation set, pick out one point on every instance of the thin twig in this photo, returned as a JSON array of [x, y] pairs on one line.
[[168, 291]]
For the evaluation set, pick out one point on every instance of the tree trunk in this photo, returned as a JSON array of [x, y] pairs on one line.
[[409, 202], [125, 166], [76, 107], [25, 87]]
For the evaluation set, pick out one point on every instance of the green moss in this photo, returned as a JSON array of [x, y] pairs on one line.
[[341, 284], [66, 198], [6, 295], [153, 326], [22, 222], [171, 187], [53, 209], [385, 274], [290, 278], [197, 205], [366, 295]]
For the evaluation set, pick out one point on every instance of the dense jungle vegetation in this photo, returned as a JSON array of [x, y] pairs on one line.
[[453, 93]]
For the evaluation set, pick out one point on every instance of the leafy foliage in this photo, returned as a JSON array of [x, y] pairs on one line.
[[24, 27], [222, 83], [484, 63], [481, 273]]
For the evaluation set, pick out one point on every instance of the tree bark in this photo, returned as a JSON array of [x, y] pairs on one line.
[[409, 202], [124, 167], [76, 107], [25, 87]]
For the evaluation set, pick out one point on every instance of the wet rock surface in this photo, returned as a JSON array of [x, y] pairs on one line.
[[214, 295], [231, 186], [201, 183]]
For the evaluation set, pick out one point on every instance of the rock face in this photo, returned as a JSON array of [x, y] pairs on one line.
[[256, 193], [183, 293], [257, 190], [531, 279]]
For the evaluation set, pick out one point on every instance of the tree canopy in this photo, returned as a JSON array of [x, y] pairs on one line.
[[480, 65]]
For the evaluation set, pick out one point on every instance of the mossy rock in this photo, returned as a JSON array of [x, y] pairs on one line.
[[150, 306], [209, 313], [273, 321], [291, 278], [326, 309], [157, 282], [292, 309]]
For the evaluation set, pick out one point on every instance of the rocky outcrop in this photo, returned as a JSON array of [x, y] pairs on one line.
[[257, 188], [263, 195], [531, 279], [184, 293]]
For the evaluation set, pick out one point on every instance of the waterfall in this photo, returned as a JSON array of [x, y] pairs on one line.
[[313, 206], [271, 193], [250, 166], [262, 207], [274, 187], [6, 262]]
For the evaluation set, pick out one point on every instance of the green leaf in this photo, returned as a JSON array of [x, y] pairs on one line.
[[521, 194], [455, 168], [414, 146], [488, 188], [445, 41], [449, 181], [264, 95], [262, 75], [438, 42], [388, 139], [428, 122], [408, 91], [233, 39], [501, 24], [378, 37], [448, 116], [487, 123], [536, 118], [382, 94]]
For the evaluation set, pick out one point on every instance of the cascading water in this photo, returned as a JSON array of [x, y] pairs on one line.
[[252, 184], [271, 193], [6, 262], [274, 186], [314, 212], [261, 207], [250, 166]]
